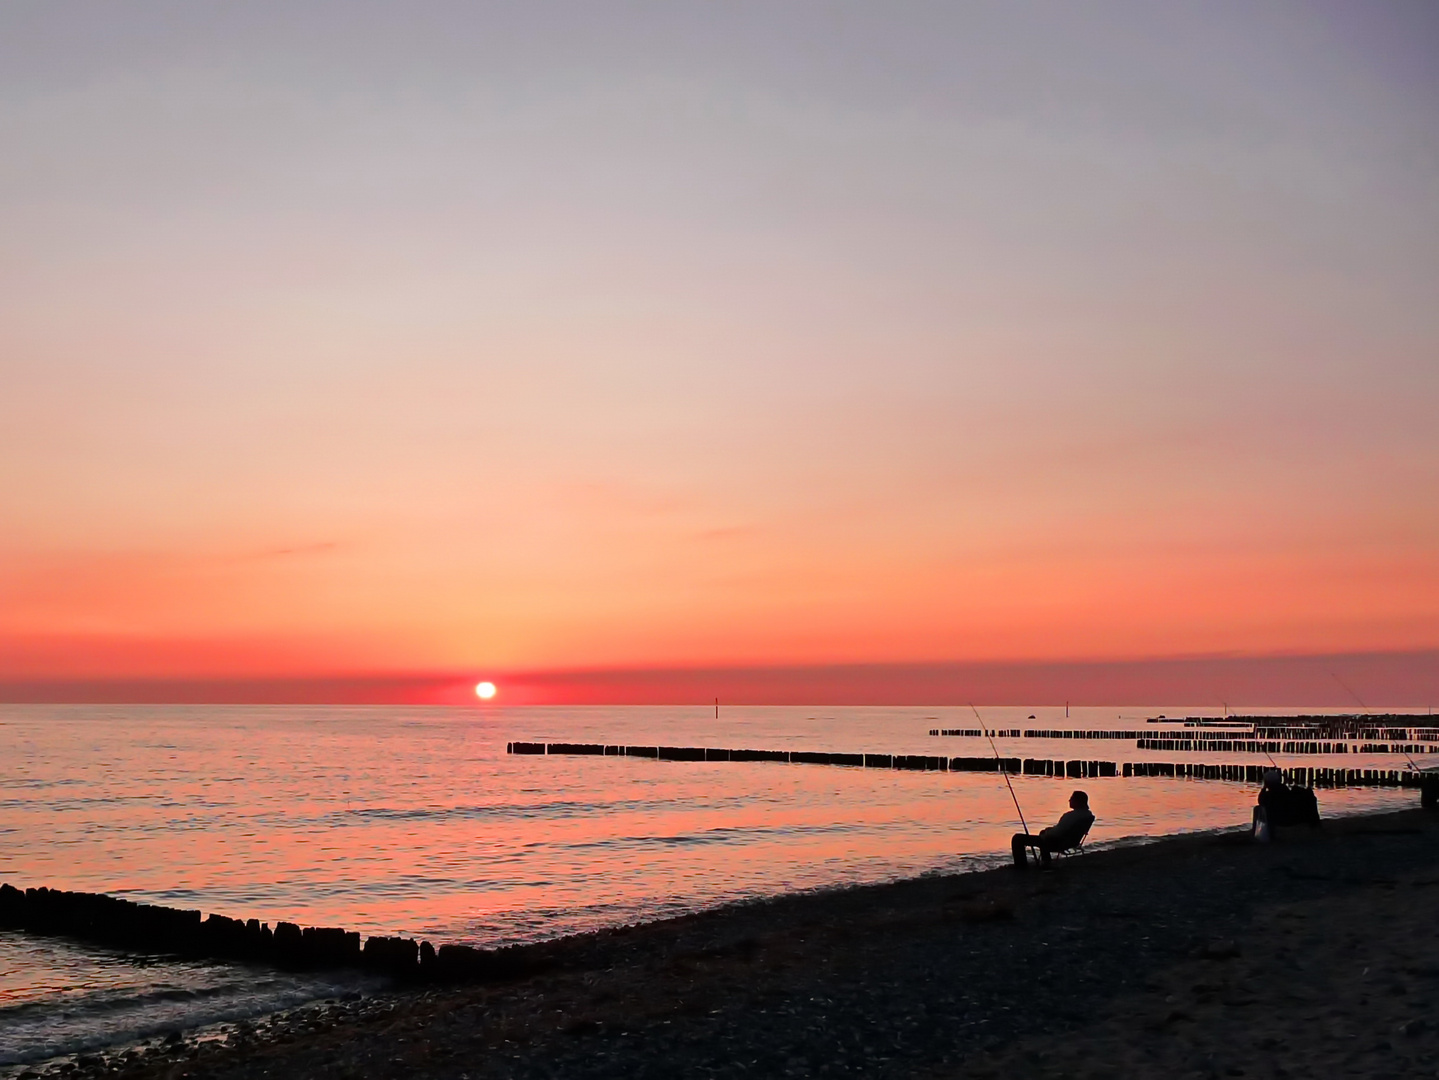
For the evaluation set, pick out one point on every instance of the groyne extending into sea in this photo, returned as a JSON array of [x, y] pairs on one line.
[[118, 923], [1074, 769], [1392, 733]]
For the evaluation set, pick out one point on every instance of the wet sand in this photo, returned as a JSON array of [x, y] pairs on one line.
[[1195, 956]]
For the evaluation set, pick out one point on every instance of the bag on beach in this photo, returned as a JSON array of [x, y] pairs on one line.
[[1261, 831]]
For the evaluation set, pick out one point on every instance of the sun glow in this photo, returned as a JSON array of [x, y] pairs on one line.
[[485, 690]]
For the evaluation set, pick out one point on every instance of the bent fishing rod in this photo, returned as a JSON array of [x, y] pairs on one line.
[[1002, 769]]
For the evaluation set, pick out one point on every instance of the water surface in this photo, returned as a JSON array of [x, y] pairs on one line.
[[415, 821]]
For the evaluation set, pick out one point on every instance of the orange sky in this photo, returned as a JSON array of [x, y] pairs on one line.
[[466, 343]]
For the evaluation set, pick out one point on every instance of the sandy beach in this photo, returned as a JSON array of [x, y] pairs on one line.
[[1203, 955]]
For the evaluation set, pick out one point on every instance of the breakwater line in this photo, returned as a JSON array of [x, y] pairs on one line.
[[118, 923], [1274, 735], [917, 762], [1301, 776], [1038, 733]]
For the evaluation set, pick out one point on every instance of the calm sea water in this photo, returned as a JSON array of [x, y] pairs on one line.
[[415, 821]]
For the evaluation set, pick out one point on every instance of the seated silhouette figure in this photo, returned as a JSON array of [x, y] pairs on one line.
[[1066, 833], [1279, 804]]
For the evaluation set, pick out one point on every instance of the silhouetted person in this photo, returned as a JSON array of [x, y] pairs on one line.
[[1065, 833], [1280, 804]]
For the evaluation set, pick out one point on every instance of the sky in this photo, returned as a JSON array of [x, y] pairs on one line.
[[358, 338]]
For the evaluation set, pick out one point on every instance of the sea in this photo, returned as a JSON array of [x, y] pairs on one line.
[[415, 821]]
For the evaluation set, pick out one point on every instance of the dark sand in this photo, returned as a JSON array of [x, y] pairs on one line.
[[1198, 956]]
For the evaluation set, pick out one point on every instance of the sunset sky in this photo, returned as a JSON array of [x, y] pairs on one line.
[[355, 338]]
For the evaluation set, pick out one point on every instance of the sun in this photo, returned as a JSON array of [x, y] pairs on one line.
[[485, 690]]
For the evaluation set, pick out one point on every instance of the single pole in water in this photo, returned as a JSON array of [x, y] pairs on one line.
[[1000, 761], [716, 708]]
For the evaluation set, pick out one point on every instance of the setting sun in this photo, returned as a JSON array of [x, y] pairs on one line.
[[485, 691]]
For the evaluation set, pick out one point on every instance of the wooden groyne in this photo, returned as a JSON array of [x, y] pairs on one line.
[[919, 762], [1275, 735], [114, 922], [1299, 776], [1372, 727], [1276, 746], [1247, 773], [1040, 733]]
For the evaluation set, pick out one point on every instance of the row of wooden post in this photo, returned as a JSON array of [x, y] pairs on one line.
[[1300, 776]]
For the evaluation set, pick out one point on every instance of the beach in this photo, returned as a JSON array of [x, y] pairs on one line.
[[1200, 955]]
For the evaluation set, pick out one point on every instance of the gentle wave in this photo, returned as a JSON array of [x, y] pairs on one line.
[[99, 998]]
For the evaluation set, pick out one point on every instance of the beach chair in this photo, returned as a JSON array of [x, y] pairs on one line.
[[1077, 846], [1071, 849]]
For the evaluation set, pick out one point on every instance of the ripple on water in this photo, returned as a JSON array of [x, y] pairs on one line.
[[57, 997]]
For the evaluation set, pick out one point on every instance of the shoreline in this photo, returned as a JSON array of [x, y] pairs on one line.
[[898, 978], [118, 923]]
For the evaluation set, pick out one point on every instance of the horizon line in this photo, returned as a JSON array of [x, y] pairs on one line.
[[1368, 680]]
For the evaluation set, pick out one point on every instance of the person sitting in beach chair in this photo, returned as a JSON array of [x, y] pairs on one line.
[[1280, 804], [1066, 834]]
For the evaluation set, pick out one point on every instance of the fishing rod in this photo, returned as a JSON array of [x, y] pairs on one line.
[[1273, 764], [1262, 748], [1002, 769]]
